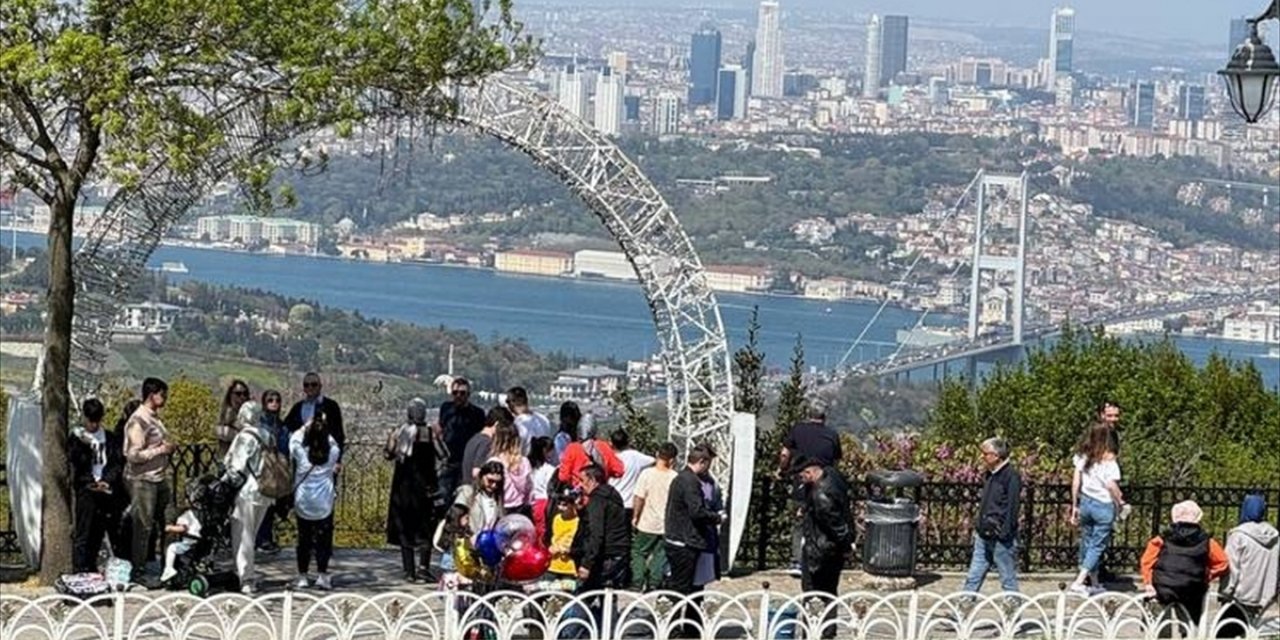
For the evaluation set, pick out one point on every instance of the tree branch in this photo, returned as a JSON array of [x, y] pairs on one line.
[[32, 184], [41, 139], [9, 147]]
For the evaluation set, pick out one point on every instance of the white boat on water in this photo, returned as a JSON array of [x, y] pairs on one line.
[[173, 267]]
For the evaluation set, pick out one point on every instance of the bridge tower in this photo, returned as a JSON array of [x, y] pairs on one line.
[[1002, 198]]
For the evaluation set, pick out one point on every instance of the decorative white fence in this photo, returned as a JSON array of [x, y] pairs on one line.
[[502, 615]]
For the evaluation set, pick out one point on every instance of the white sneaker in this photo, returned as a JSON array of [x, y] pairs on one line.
[[323, 583], [302, 582], [1080, 590], [247, 588]]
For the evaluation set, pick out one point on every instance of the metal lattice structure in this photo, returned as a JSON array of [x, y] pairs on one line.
[[689, 327]]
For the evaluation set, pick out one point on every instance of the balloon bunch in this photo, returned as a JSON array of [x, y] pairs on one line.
[[509, 550]]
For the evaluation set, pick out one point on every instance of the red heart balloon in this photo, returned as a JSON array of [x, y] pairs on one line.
[[527, 564]]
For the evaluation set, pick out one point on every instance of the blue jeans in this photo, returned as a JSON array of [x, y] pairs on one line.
[[987, 552], [1096, 520]]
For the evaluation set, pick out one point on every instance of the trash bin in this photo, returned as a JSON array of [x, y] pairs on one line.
[[892, 520]]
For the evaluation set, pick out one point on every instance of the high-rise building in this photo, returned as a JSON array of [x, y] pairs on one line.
[[731, 94], [871, 72], [666, 114], [609, 114], [1142, 105], [1064, 94], [1239, 33], [631, 108], [704, 63], [893, 47], [798, 83], [572, 92], [766, 71], [939, 93], [1191, 102], [617, 60], [749, 63], [1062, 29]]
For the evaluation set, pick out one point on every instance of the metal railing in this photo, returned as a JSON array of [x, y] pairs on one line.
[[1048, 541], [501, 615]]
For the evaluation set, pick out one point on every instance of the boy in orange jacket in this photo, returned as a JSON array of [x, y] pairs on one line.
[[1179, 564]]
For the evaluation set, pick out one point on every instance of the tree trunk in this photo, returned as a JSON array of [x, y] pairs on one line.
[[56, 525]]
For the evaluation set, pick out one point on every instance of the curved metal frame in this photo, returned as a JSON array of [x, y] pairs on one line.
[[689, 327]]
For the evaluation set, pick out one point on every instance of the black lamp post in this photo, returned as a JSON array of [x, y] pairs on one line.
[[1252, 74]]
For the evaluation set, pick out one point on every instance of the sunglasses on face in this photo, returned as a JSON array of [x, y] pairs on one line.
[[273, 400], [310, 385], [243, 393], [461, 392]]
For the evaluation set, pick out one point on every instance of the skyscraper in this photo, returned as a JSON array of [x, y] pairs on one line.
[[731, 93], [1062, 29], [1239, 32], [1143, 105], [609, 114], [749, 63], [1191, 102], [617, 60], [573, 95], [704, 63], [871, 71], [666, 114], [766, 72], [893, 47]]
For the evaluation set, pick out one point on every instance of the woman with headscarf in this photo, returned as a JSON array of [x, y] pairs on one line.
[[243, 466], [412, 484], [1178, 565], [273, 425], [228, 424], [1253, 554], [589, 449]]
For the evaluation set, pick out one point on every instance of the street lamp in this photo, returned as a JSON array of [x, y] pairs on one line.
[[1252, 74]]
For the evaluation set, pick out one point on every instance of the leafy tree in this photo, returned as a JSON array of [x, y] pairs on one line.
[[640, 427], [191, 411], [748, 365], [791, 398], [103, 90]]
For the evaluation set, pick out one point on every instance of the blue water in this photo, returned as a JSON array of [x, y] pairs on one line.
[[586, 319]]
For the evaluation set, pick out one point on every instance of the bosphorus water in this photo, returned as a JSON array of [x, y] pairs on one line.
[[587, 319]]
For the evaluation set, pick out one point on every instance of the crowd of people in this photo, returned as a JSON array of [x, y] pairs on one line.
[[608, 515]]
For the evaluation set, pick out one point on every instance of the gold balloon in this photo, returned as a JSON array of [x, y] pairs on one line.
[[466, 561]]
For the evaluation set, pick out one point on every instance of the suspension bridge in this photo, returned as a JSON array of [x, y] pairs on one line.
[[1003, 198]]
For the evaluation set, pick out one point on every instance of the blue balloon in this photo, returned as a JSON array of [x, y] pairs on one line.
[[489, 546]]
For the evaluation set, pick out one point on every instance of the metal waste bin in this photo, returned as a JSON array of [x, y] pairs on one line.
[[892, 520]]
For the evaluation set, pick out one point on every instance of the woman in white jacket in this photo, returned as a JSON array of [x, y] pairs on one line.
[[244, 464]]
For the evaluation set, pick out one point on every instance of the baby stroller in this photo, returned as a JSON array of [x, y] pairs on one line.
[[212, 500]]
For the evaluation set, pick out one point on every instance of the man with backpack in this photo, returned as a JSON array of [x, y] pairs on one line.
[[589, 449]]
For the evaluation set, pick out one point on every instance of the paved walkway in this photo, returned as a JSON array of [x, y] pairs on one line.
[[378, 570]]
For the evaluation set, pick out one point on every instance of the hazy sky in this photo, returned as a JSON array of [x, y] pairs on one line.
[[1200, 20]]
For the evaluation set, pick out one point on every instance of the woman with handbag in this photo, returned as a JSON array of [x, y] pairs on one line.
[[315, 459], [413, 482]]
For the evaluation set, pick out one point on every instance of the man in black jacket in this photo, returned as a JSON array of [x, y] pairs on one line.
[[688, 528], [303, 410], [601, 548], [97, 463], [828, 537], [995, 539]]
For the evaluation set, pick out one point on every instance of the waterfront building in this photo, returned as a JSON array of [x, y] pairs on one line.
[[738, 278], [613, 265], [533, 262]]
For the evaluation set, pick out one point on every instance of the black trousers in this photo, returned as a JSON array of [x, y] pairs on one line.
[[823, 577], [683, 562], [315, 536], [96, 515]]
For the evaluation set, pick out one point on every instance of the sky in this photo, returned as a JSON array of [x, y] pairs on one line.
[[1204, 21]]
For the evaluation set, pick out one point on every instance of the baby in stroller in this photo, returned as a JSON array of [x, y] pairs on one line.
[[202, 529]]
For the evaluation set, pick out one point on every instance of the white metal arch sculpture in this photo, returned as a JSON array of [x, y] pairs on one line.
[[689, 327]]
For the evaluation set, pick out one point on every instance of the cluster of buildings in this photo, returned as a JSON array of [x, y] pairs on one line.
[[248, 230], [732, 79], [613, 265]]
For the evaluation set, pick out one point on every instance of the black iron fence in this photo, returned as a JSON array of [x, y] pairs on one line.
[[1048, 540]]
